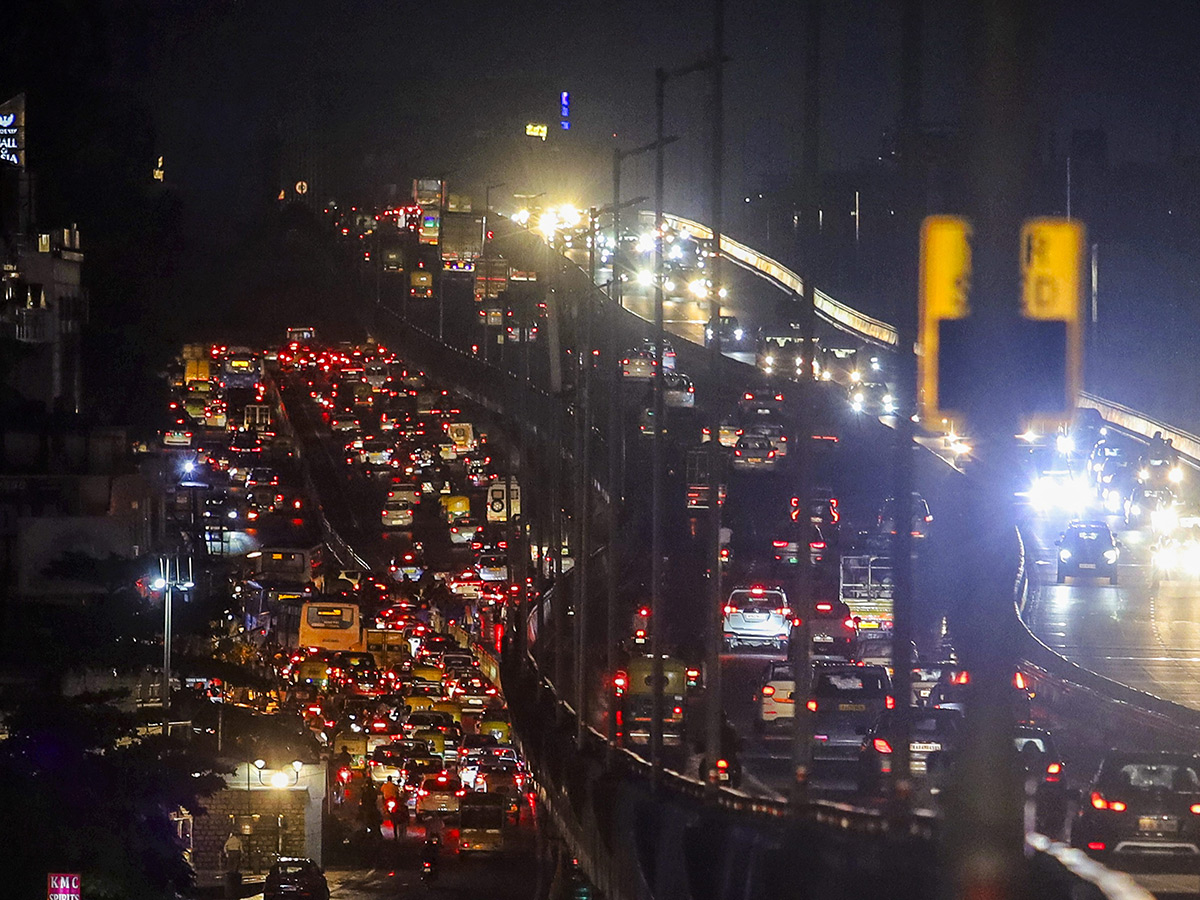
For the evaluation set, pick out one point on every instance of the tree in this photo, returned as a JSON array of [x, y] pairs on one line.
[[82, 795]]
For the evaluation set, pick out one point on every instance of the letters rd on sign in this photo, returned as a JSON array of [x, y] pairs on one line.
[[62, 886]]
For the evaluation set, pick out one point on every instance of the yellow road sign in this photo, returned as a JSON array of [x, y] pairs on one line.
[[1052, 256], [945, 284]]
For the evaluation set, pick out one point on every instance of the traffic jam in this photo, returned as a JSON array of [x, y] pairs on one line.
[[1101, 505], [382, 664]]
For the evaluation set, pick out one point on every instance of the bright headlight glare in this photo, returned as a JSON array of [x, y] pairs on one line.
[[1176, 475], [1110, 555], [1064, 554]]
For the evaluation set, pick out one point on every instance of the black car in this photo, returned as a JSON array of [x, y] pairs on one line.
[[727, 328], [933, 737], [296, 878], [1087, 549], [1039, 759], [1142, 809]]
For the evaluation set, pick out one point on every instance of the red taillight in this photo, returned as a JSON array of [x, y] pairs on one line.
[[816, 545], [1095, 845], [1099, 802], [343, 775], [1195, 809], [722, 764], [1054, 770], [881, 745], [768, 691], [783, 611], [730, 609], [849, 623], [811, 705], [889, 702], [779, 545], [461, 792], [824, 607]]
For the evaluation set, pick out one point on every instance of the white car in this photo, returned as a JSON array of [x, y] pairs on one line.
[[465, 531], [396, 514], [492, 567], [753, 454], [776, 704], [439, 795], [757, 616]]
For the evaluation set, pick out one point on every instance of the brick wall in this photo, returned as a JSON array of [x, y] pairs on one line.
[[234, 810]]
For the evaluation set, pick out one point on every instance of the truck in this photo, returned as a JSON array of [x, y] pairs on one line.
[[866, 586], [463, 436], [491, 279], [430, 195], [503, 496], [633, 689], [197, 370], [462, 241], [696, 471]]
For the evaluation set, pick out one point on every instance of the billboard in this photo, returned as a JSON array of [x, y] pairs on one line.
[[12, 132]]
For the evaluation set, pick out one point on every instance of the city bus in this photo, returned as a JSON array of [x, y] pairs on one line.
[[331, 625], [241, 368]]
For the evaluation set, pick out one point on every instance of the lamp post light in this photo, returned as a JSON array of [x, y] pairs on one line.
[[169, 580]]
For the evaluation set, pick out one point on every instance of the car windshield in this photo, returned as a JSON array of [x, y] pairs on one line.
[[436, 783], [850, 683], [757, 598], [291, 869], [780, 673], [1164, 776]]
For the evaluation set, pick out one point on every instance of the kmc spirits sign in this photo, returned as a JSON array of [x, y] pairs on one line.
[[62, 887]]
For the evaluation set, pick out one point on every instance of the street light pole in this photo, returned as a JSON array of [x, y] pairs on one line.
[[713, 626], [165, 569], [656, 562], [487, 207]]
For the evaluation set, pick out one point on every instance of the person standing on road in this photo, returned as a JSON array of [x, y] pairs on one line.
[[232, 851]]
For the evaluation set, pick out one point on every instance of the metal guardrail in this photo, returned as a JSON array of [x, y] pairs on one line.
[[1138, 423], [836, 313]]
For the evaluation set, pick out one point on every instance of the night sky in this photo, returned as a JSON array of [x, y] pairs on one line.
[[383, 91]]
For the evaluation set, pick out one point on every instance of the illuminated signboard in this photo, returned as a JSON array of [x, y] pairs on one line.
[[564, 110], [12, 132], [537, 130], [62, 887]]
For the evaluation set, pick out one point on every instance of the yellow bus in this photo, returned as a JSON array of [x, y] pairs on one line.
[[330, 625]]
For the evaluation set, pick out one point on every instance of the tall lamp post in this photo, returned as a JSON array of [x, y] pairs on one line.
[[169, 580]]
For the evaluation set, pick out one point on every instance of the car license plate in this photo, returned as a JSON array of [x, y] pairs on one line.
[[1158, 823], [851, 707], [1087, 565], [755, 617], [924, 747], [822, 639]]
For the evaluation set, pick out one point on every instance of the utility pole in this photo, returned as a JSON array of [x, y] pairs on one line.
[[441, 270], [656, 459], [903, 598], [800, 645], [984, 821], [582, 529], [714, 709]]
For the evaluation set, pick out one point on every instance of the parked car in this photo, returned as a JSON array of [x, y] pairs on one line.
[[295, 877]]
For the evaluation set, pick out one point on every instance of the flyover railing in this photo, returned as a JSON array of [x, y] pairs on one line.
[[1141, 424], [836, 313]]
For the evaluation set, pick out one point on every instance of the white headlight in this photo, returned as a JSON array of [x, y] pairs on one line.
[[1064, 554], [1110, 555]]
